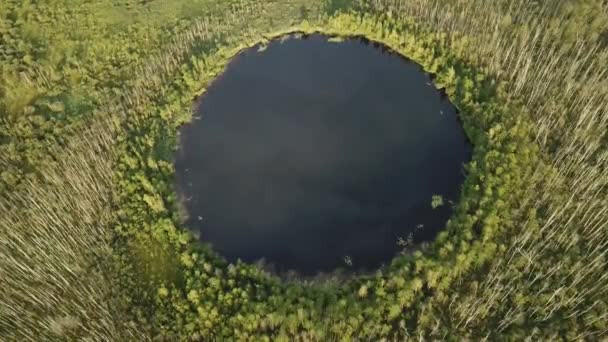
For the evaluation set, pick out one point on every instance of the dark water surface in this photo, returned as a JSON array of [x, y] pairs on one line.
[[311, 151]]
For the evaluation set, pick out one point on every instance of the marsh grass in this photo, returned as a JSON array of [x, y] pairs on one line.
[[563, 85], [56, 229], [54, 242]]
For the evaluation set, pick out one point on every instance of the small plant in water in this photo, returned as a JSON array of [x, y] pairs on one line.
[[335, 40], [436, 201], [405, 243], [348, 260]]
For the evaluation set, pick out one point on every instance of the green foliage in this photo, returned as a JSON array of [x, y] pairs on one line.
[[436, 201], [334, 6], [91, 97]]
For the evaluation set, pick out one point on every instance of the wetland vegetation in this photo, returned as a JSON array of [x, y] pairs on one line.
[[92, 243]]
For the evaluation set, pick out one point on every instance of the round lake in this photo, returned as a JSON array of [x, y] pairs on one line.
[[316, 155]]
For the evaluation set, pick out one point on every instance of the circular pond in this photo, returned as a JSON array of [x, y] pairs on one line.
[[315, 155]]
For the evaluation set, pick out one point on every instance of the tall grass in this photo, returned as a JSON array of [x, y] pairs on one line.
[[51, 230], [564, 87], [56, 228]]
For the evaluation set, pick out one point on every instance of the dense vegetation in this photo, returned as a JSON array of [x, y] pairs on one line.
[[91, 241]]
